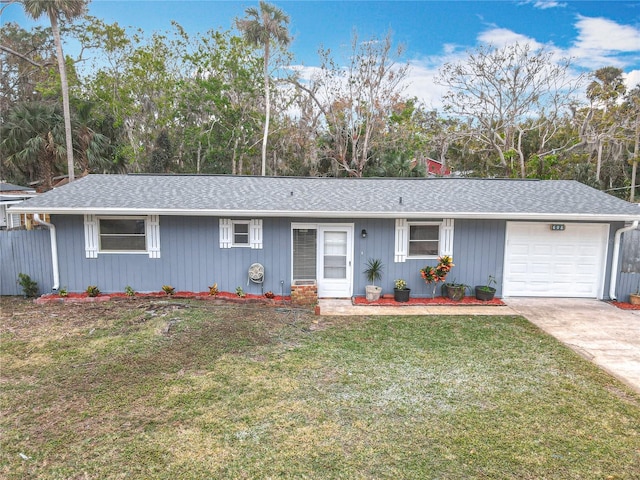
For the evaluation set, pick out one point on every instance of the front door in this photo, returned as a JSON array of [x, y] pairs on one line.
[[335, 261]]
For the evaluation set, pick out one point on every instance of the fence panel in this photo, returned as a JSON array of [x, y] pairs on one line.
[[25, 251]]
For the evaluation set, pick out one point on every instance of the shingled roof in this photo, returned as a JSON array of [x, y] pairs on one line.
[[245, 196]]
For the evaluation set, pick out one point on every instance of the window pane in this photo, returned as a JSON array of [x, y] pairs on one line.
[[423, 240], [241, 233], [335, 267], [122, 243], [241, 228], [424, 232], [121, 226], [423, 249], [304, 254]]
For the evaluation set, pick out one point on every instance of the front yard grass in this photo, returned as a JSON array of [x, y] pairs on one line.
[[191, 390]]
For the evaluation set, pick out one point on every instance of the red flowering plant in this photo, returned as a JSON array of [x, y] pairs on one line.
[[433, 275]]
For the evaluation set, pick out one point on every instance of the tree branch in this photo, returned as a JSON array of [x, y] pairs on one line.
[[23, 57]]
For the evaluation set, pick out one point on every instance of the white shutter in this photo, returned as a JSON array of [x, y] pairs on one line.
[[153, 236], [15, 220], [255, 234], [446, 237], [91, 236], [402, 240], [225, 233]]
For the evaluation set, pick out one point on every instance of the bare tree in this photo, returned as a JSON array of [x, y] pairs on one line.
[[506, 93], [357, 100]]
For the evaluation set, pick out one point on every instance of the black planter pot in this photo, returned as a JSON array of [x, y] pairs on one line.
[[401, 295], [485, 293], [455, 291]]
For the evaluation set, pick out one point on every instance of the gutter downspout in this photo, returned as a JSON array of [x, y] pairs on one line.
[[614, 260], [54, 250]]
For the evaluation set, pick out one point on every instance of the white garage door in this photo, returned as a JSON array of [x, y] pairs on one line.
[[541, 262]]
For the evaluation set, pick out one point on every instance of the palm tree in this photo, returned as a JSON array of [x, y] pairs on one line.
[[32, 142], [260, 28], [69, 9]]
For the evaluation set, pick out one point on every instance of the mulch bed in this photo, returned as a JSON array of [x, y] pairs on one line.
[[105, 297], [389, 301], [625, 306]]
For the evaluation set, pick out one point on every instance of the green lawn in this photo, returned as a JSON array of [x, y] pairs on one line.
[[192, 390]]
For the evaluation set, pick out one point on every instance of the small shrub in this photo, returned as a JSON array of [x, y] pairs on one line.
[[93, 291], [63, 292], [269, 294], [213, 290], [240, 292], [168, 289], [29, 287], [129, 291]]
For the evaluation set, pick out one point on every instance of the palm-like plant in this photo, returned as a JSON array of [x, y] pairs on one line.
[[260, 28], [55, 9], [33, 141]]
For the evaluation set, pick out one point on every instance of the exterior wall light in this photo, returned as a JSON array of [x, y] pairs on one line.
[[363, 233]]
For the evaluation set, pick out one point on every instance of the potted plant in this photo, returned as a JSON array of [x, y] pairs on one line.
[[433, 275], [634, 298], [486, 292], [400, 291], [373, 273], [456, 291]]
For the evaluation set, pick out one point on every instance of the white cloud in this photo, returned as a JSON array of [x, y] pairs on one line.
[[632, 79], [604, 35], [602, 42], [501, 37], [545, 4]]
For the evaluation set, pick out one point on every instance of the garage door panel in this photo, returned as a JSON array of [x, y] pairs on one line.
[[542, 262]]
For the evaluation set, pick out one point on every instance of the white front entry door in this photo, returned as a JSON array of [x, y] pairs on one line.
[[335, 261], [541, 262]]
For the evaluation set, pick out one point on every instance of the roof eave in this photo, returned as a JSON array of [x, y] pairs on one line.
[[556, 216]]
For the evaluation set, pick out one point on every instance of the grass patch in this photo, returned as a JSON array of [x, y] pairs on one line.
[[192, 390]]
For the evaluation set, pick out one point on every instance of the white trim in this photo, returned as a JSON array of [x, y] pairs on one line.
[[91, 236], [255, 234], [446, 237], [300, 226], [401, 248], [560, 217], [440, 239], [233, 233], [153, 235], [225, 232]]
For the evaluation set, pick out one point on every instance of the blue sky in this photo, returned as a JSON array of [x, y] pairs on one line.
[[594, 33]]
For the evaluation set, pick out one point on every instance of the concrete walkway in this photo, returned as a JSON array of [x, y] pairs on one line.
[[602, 333]]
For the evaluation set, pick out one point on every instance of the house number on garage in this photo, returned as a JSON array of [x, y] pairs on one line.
[[557, 226]]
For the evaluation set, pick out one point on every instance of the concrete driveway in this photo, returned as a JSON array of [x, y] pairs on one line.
[[602, 333]]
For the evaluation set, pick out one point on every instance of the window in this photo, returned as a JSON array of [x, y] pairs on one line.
[[122, 235], [304, 253], [424, 240], [240, 233]]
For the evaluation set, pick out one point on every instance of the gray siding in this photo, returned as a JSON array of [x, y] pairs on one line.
[[25, 251], [191, 259], [629, 279], [478, 251]]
